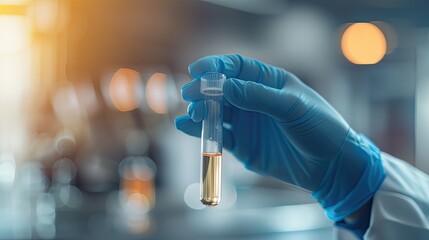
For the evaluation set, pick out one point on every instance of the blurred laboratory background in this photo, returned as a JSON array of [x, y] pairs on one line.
[[89, 90]]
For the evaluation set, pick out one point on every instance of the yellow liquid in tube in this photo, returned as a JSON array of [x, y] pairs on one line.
[[211, 179]]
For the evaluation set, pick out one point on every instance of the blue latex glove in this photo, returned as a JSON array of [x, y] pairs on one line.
[[282, 128]]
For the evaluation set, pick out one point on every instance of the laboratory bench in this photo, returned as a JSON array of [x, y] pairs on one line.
[[258, 213]]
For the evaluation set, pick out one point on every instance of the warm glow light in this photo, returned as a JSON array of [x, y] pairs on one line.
[[14, 40], [7, 169], [12, 9], [123, 89], [14, 34], [87, 97], [137, 180], [46, 15], [14, 80], [13, 2], [156, 93], [65, 102], [363, 43]]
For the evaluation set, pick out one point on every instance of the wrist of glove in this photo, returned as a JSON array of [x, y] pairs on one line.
[[352, 178]]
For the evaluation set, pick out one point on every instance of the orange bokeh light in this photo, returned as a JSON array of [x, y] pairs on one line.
[[363, 43], [123, 89], [156, 93]]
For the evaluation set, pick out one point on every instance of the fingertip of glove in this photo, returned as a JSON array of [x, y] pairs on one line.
[[213, 63], [190, 68], [184, 89], [191, 111], [197, 68], [186, 86], [180, 121], [191, 91]]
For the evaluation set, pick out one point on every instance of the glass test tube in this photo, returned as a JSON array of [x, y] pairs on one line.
[[211, 138]]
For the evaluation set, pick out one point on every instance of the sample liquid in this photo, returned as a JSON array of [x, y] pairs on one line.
[[211, 178]]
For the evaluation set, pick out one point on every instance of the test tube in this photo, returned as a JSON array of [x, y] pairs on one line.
[[211, 138]]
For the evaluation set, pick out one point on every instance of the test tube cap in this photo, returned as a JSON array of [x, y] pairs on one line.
[[212, 83]]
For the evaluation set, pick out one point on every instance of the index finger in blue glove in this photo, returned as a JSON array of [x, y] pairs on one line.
[[197, 111], [191, 91], [236, 66], [227, 64]]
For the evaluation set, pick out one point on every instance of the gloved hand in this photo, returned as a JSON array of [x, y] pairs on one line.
[[281, 127]]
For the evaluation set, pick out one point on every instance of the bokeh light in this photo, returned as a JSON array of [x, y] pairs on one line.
[[7, 169], [45, 216], [137, 182], [95, 171], [47, 15], [363, 43], [14, 34], [156, 92], [64, 171], [65, 143], [137, 143], [14, 2], [390, 34], [12, 9], [87, 96], [69, 196], [191, 196], [65, 101], [14, 77], [123, 89]]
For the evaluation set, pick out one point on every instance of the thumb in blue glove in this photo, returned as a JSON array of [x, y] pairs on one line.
[[282, 128]]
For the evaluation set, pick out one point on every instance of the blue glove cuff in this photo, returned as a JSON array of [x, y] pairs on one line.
[[352, 178]]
